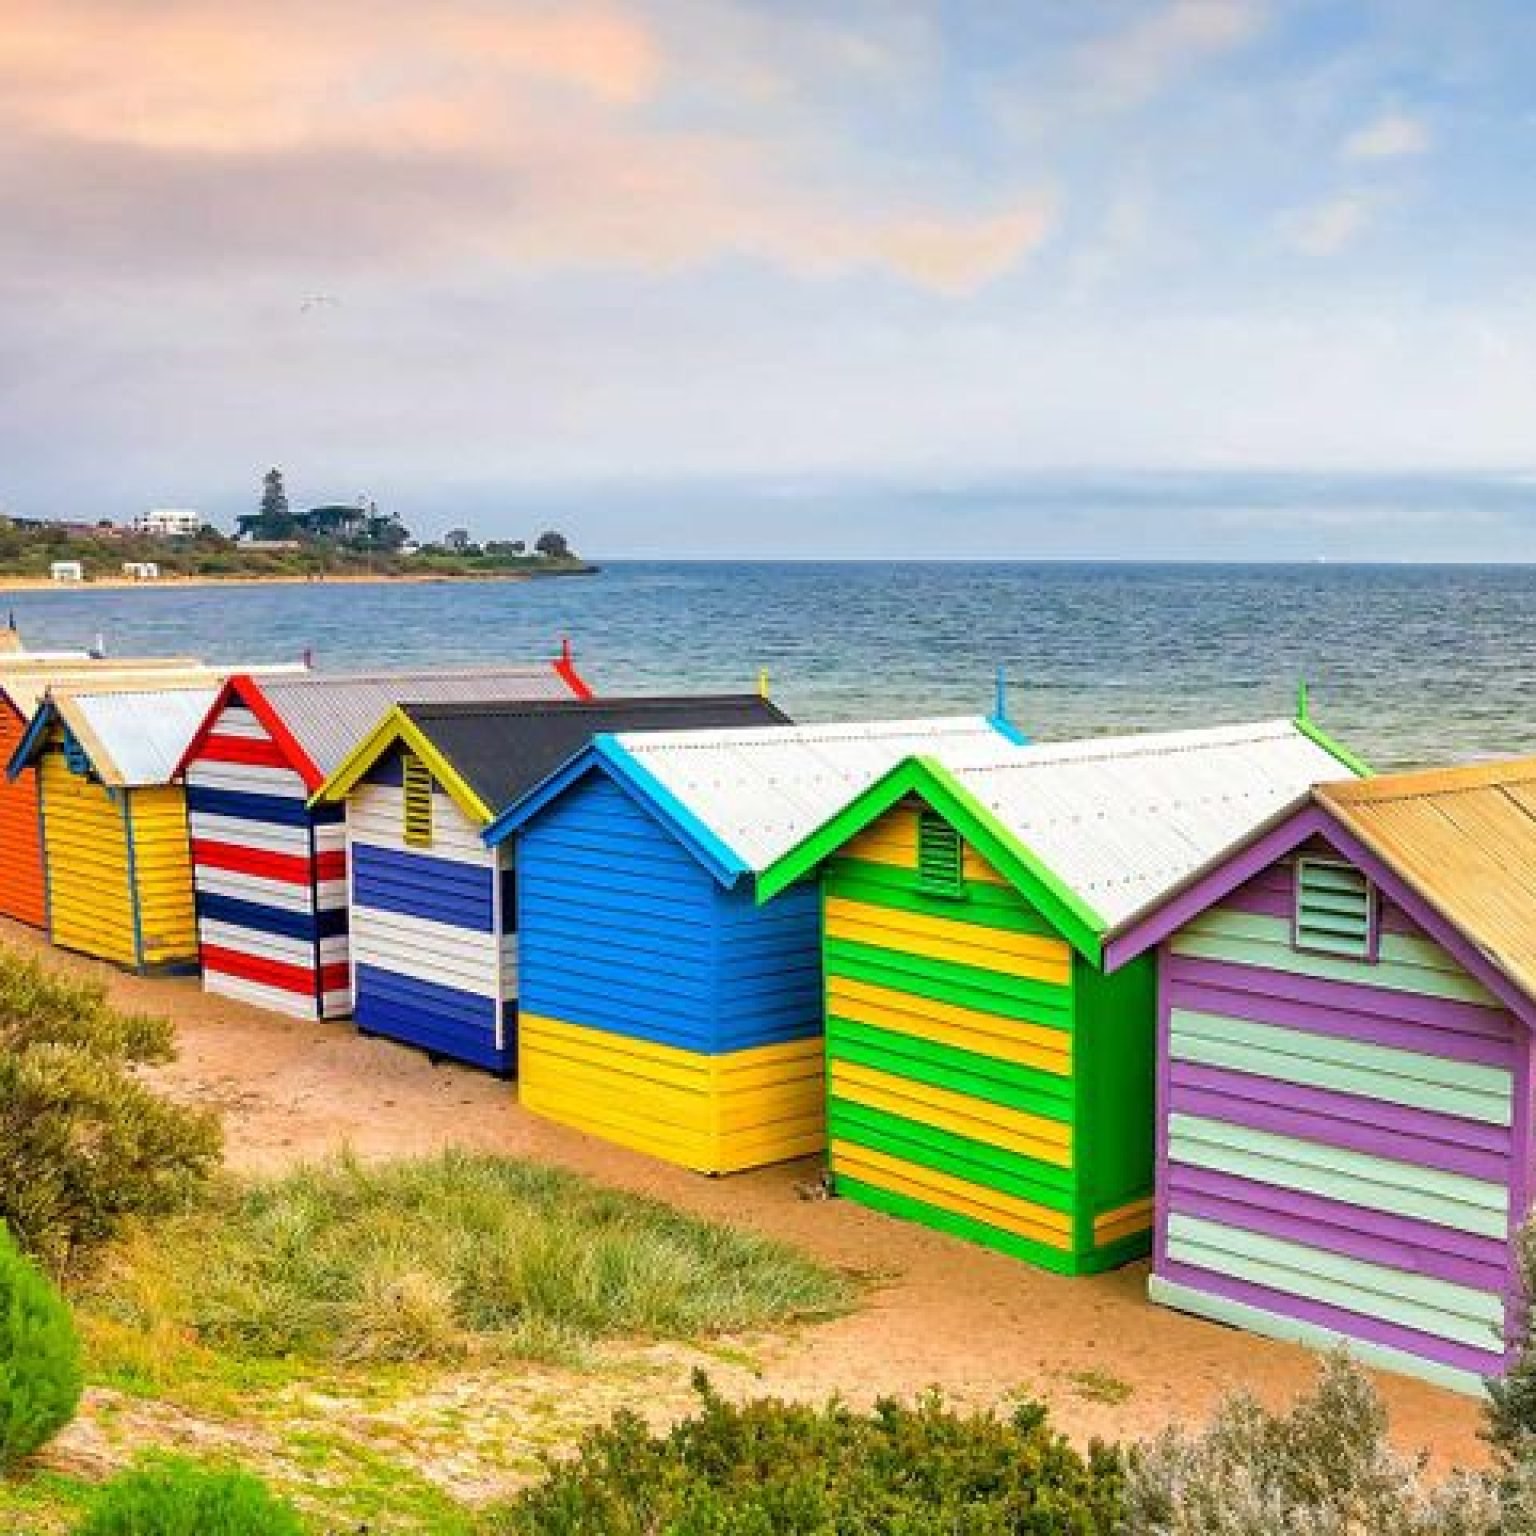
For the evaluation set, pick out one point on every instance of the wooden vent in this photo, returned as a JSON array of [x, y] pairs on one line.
[[418, 801], [1335, 909], [940, 856]]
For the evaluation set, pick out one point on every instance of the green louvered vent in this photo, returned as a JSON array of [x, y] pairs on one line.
[[1335, 909], [75, 758], [940, 856]]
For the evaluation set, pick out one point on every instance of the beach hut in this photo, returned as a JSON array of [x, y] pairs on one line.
[[989, 1069], [662, 1008], [434, 942], [269, 869], [1344, 1147], [24, 679], [114, 827]]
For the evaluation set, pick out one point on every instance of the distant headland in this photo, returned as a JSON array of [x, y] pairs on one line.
[[336, 542]]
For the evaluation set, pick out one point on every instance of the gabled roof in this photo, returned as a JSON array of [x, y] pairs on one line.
[[24, 679], [487, 754], [1096, 832], [134, 729], [319, 718], [1465, 840], [739, 799]]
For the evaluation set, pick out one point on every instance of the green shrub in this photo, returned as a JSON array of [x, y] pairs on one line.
[[174, 1496], [40, 1380], [1322, 1469], [83, 1142], [443, 1257], [770, 1467]]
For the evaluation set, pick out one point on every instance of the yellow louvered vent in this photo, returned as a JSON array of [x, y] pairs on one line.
[[940, 857], [418, 801]]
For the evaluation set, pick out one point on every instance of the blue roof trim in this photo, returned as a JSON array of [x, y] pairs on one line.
[[607, 755], [31, 739], [711, 850], [1008, 730], [523, 810]]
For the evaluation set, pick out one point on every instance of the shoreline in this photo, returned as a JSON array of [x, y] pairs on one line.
[[349, 579]]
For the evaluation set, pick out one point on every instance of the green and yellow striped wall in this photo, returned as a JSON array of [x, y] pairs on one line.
[[982, 1076]]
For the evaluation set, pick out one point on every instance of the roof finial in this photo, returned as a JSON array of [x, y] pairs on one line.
[[762, 682], [1303, 702], [565, 649]]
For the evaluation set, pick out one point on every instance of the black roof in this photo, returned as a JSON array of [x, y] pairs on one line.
[[503, 748]]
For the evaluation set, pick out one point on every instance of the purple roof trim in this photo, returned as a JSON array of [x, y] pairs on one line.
[[1258, 855]]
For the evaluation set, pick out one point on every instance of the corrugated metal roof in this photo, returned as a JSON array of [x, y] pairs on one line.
[[136, 738], [761, 791], [329, 714], [1125, 821], [1465, 840], [25, 679]]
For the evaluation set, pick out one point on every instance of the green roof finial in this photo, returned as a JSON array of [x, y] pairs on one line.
[[1303, 703]]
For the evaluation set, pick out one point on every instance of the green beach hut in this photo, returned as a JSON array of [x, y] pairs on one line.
[[987, 1074]]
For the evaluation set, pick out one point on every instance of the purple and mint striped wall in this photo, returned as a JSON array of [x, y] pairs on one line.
[[1343, 1145]]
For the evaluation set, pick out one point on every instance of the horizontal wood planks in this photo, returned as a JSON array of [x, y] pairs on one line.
[[960, 1033], [434, 964], [1342, 1139], [269, 873], [660, 1010]]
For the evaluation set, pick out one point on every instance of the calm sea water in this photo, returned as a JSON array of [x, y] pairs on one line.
[[1407, 663]]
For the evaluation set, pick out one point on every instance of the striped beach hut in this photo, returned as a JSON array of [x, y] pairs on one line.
[[989, 1063], [662, 1007], [115, 850], [24, 678], [434, 941], [1345, 1042], [269, 869]]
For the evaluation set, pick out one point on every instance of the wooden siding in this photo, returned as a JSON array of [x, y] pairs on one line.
[[85, 834], [162, 875], [660, 1011], [270, 875], [433, 954], [1339, 1138], [713, 1113], [960, 1035], [23, 888]]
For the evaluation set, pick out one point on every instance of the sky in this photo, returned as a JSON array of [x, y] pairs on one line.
[[782, 276]]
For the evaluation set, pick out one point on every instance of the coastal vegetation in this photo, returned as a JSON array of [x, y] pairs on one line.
[[277, 542]]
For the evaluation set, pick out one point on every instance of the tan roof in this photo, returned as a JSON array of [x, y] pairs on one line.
[[25, 679], [1465, 839]]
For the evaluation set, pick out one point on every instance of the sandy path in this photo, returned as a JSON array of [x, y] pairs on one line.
[[945, 1313]]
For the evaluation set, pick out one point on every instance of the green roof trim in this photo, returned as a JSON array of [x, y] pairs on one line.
[[941, 791], [1316, 734]]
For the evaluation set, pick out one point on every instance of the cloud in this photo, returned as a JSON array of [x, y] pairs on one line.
[[1129, 67], [1328, 227], [1389, 137], [529, 138]]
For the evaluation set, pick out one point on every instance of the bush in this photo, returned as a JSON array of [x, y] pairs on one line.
[[174, 1496], [40, 1381], [771, 1467], [84, 1143], [444, 1257], [1323, 1469]]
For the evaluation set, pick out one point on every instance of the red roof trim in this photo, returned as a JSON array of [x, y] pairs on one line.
[[565, 669], [244, 689]]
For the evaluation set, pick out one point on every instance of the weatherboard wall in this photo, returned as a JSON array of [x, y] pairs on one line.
[[433, 950], [23, 886], [661, 1010], [118, 867], [1344, 1143], [270, 874], [981, 1077]]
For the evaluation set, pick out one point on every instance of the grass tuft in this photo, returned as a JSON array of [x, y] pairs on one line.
[[447, 1259]]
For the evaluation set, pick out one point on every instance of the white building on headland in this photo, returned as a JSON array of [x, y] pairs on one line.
[[66, 570], [169, 522], [141, 570]]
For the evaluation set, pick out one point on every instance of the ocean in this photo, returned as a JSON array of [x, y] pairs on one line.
[[1406, 664]]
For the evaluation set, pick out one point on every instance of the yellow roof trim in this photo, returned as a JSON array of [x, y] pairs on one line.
[[397, 728]]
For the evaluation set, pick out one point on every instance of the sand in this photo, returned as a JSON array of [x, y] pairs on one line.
[[942, 1312], [349, 579]]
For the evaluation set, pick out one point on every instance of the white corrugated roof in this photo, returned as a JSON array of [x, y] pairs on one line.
[[761, 791], [1125, 821], [329, 714], [137, 738]]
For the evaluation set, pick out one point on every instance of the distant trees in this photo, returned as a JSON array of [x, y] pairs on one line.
[[457, 540], [553, 545], [357, 526]]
